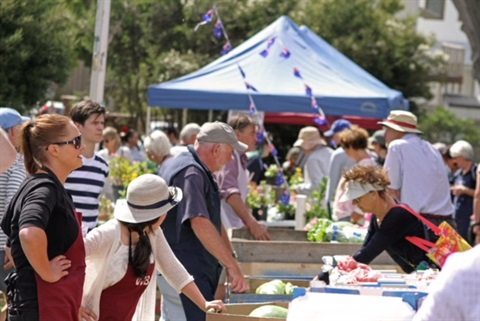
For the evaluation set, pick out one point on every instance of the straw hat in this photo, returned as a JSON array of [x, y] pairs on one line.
[[309, 137], [402, 121], [148, 197]]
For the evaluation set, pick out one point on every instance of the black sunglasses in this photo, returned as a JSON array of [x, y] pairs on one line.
[[76, 142]]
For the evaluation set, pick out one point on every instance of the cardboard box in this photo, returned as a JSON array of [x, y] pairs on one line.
[[240, 312]]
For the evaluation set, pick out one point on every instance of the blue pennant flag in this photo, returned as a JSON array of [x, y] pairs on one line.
[[274, 151], [320, 121], [253, 110], [280, 178], [250, 87], [207, 18], [285, 53], [260, 137], [285, 198], [218, 29], [242, 72], [308, 90], [296, 73], [264, 53], [270, 42], [209, 15], [314, 103], [226, 48]]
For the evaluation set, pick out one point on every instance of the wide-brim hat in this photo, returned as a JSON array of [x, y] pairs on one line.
[[309, 137], [148, 197], [401, 121]]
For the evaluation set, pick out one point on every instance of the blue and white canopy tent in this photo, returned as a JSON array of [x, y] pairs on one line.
[[340, 86]]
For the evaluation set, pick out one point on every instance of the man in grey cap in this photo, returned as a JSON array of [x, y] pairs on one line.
[[10, 121], [194, 228]]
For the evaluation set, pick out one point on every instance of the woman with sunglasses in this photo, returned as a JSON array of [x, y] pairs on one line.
[[43, 229], [123, 254], [366, 187]]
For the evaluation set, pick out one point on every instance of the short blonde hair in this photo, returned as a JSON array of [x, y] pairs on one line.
[[158, 143]]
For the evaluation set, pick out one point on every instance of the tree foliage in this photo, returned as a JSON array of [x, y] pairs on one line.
[[35, 49], [369, 33], [444, 126], [152, 41]]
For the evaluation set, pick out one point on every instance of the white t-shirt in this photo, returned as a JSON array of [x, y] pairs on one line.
[[455, 294], [417, 169]]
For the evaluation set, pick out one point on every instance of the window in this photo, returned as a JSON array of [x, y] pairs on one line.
[[432, 9]]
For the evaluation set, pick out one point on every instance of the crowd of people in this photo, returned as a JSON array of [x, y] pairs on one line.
[[171, 229]]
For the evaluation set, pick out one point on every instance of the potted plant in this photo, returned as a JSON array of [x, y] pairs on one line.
[[122, 172]]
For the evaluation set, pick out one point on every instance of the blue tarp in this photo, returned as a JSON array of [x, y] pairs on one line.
[[340, 86]]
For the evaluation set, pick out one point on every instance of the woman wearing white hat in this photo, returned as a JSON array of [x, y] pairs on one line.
[[366, 187], [123, 253]]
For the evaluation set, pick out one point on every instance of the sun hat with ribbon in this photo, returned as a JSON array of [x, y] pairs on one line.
[[402, 121], [354, 190], [148, 197]]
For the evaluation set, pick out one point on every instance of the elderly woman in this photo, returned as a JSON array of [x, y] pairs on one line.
[[112, 146], [366, 187], [158, 148], [43, 228]]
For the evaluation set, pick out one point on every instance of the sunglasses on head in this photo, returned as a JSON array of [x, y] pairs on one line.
[[76, 142]]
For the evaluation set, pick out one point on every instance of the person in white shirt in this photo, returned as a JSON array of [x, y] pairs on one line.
[[339, 161], [317, 164], [455, 294], [416, 169]]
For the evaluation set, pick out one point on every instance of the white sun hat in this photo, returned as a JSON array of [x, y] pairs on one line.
[[148, 197]]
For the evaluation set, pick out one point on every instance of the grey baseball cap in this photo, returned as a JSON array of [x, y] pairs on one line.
[[220, 133]]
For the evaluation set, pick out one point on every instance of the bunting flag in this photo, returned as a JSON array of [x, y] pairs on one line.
[[264, 53], [285, 198], [226, 48], [207, 18], [249, 86], [285, 53], [320, 119], [218, 29]]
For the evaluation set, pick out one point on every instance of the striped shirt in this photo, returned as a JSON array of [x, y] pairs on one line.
[[10, 181], [85, 185]]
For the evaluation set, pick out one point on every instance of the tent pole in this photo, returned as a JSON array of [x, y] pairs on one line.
[[149, 116], [184, 117], [210, 115]]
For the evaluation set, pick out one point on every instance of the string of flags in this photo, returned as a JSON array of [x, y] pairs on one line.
[[218, 29], [219, 32], [320, 119], [262, 135]]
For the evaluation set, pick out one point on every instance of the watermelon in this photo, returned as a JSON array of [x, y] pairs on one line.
[[269, 311], [271, 287]]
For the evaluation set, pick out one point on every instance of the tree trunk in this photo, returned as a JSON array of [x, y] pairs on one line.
[[469, 12]]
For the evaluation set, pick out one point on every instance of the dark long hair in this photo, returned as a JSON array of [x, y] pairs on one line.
[[140, 258]]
